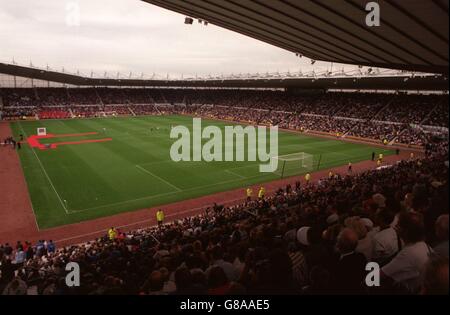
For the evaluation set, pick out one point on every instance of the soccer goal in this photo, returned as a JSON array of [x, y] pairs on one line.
[[41, 131], [292, 164]]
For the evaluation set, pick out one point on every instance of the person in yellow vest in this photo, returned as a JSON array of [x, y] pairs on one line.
[[249, 193], [112, 233], [307, 178], [380, 157], [160, 217], [385, 142], [261, 193]]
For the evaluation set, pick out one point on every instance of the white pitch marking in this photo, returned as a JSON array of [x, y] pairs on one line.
[[235, 174], [45, 173], [156, 176]]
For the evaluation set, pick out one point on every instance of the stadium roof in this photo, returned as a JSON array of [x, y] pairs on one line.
[[413, 34], [369, 82]]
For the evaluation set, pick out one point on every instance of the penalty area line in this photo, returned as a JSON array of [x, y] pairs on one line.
[[169, 193], [235, 174], [161, 179]]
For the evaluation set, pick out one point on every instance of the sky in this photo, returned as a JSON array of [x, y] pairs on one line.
[[132, 36]]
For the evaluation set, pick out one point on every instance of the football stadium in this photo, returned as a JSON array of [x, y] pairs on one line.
[[266, 183]]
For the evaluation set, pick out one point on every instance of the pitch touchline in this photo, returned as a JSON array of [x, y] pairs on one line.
[[45, 172], [156, 176], [143, 221]]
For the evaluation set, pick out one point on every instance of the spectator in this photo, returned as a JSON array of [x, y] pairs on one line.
[[183, 281], [365, 245], [219, 283], [228, 268], [442, 236], [405, 269], [436, 277], [51, 247], [16, 287], [386, 243], [20, 256], [156, 283], [349, 273]]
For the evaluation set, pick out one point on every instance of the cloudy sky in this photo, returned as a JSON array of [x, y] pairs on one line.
[[131, 35]]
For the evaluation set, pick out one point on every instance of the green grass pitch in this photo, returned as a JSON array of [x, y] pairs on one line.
[[73, 183]]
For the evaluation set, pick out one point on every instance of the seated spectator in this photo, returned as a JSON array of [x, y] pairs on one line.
[[435, 280], [155, 284], [406, 267], [349, 273], [183, 281], [217, 260], [16, 287], [218, 281], [386, 243], [365, 245]]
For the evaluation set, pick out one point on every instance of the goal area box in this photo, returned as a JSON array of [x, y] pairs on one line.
[[293, 164]]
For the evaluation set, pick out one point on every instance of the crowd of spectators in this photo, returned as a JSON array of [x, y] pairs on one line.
[[377, 130], [383, 117], [439, 117], [117, 109], [305, 239], [83, 96], [86, 111], [12, 113], [144, 109], [411, 109], [53, 97], [54, 112]]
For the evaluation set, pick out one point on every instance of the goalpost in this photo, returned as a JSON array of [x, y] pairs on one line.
[[292, 164]]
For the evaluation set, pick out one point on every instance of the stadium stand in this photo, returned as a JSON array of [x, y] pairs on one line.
[[365, 115]]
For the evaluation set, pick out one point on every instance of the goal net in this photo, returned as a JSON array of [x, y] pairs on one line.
[[41, 131], [293, 164]]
